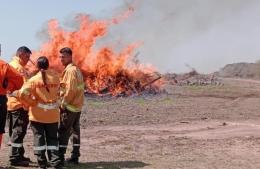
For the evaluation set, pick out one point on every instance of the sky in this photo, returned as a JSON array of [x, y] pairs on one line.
[[20, 21], [176, 34]]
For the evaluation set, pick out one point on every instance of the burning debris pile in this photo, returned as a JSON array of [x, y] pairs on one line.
[[192, 78], [105, 71], [122, 83]]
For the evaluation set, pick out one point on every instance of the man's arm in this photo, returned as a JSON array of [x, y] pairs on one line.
[[26, 93], [70, 81], [13, 79]]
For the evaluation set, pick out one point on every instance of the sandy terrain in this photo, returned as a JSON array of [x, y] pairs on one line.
[[191, 127]]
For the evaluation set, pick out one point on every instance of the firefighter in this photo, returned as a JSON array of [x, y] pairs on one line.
[[10, 80], [41, 94], [17, 113], [72, 85]]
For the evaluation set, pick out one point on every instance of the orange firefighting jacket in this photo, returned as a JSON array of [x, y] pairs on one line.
[[14, 80], [10, 80], [13, 103], [43, 105], [72, 88]]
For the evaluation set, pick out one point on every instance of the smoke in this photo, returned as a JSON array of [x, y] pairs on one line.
[[70, 23], [203, 34]]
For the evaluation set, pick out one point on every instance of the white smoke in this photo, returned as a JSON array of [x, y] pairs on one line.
[[205, 34]]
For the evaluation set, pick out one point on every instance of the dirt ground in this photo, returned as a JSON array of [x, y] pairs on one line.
[[191, 127]]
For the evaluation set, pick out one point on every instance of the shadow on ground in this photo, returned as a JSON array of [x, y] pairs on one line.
[[98, 165], [109, 165]]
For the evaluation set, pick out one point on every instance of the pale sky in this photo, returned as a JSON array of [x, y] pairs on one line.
[[205, 34], [21, 20]]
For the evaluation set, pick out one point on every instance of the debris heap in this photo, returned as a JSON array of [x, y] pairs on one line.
[[192, 78]]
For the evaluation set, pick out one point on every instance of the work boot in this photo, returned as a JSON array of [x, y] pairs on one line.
[[57, 167], [73, 160], [42, 167], [62, 159], [25, 159], [19, 163]]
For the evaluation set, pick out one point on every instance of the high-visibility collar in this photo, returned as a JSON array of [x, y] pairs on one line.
[[18, 60], [47, 71], [66, 68]]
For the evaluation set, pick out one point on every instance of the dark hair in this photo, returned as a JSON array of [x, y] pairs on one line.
[[24, 49], [66, 50], [43, 64]]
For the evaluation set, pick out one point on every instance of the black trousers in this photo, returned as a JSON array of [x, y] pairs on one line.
[[3, 112], [69, 125], [19, 122], [46, 137], [10, 124]]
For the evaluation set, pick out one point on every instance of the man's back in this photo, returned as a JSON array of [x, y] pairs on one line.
[[35, 94], [13, 103], [10, 79], [73, 84], [3, 69]]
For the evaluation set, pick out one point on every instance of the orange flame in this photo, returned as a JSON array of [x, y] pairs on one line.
[[105, 71]]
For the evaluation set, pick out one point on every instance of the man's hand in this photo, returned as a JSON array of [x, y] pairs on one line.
[[14, 94]]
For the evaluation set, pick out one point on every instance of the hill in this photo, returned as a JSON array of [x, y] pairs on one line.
[[241, 70]]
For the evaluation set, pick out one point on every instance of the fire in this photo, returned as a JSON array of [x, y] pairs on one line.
[[105, 71]]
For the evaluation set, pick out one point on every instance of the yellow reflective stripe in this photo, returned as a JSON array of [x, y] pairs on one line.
[[71, 107], [81, 86], [25, 91], [79, 75]]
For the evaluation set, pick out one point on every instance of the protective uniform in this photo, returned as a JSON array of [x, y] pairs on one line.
[[17, 117], [43, 115], [72, 101], [10, 80]]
